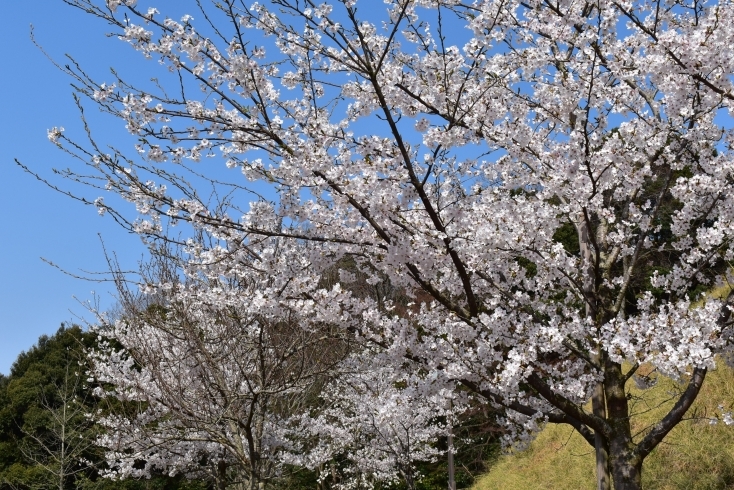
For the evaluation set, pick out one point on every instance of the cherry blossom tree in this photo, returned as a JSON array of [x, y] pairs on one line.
[[556, 176], [203, 373], [379, 422]]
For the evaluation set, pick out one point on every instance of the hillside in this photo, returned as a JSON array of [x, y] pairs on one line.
[[695, 456]]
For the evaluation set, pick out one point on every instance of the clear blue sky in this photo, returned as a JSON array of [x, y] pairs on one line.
[[37, 222]]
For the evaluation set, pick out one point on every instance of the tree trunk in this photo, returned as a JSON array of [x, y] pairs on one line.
[[603, 480], [601, 450], [408, 478], [626, 465], [626, 468], [452, 481], [221, 478]]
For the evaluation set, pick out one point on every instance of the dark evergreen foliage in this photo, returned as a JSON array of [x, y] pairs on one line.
[[40, 382]]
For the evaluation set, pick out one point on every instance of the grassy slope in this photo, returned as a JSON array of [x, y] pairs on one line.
[[694, 456]]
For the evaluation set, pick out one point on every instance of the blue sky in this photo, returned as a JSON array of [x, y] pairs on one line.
[[38, 222]]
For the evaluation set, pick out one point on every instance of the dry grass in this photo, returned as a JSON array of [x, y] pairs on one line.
[[694, 456]]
